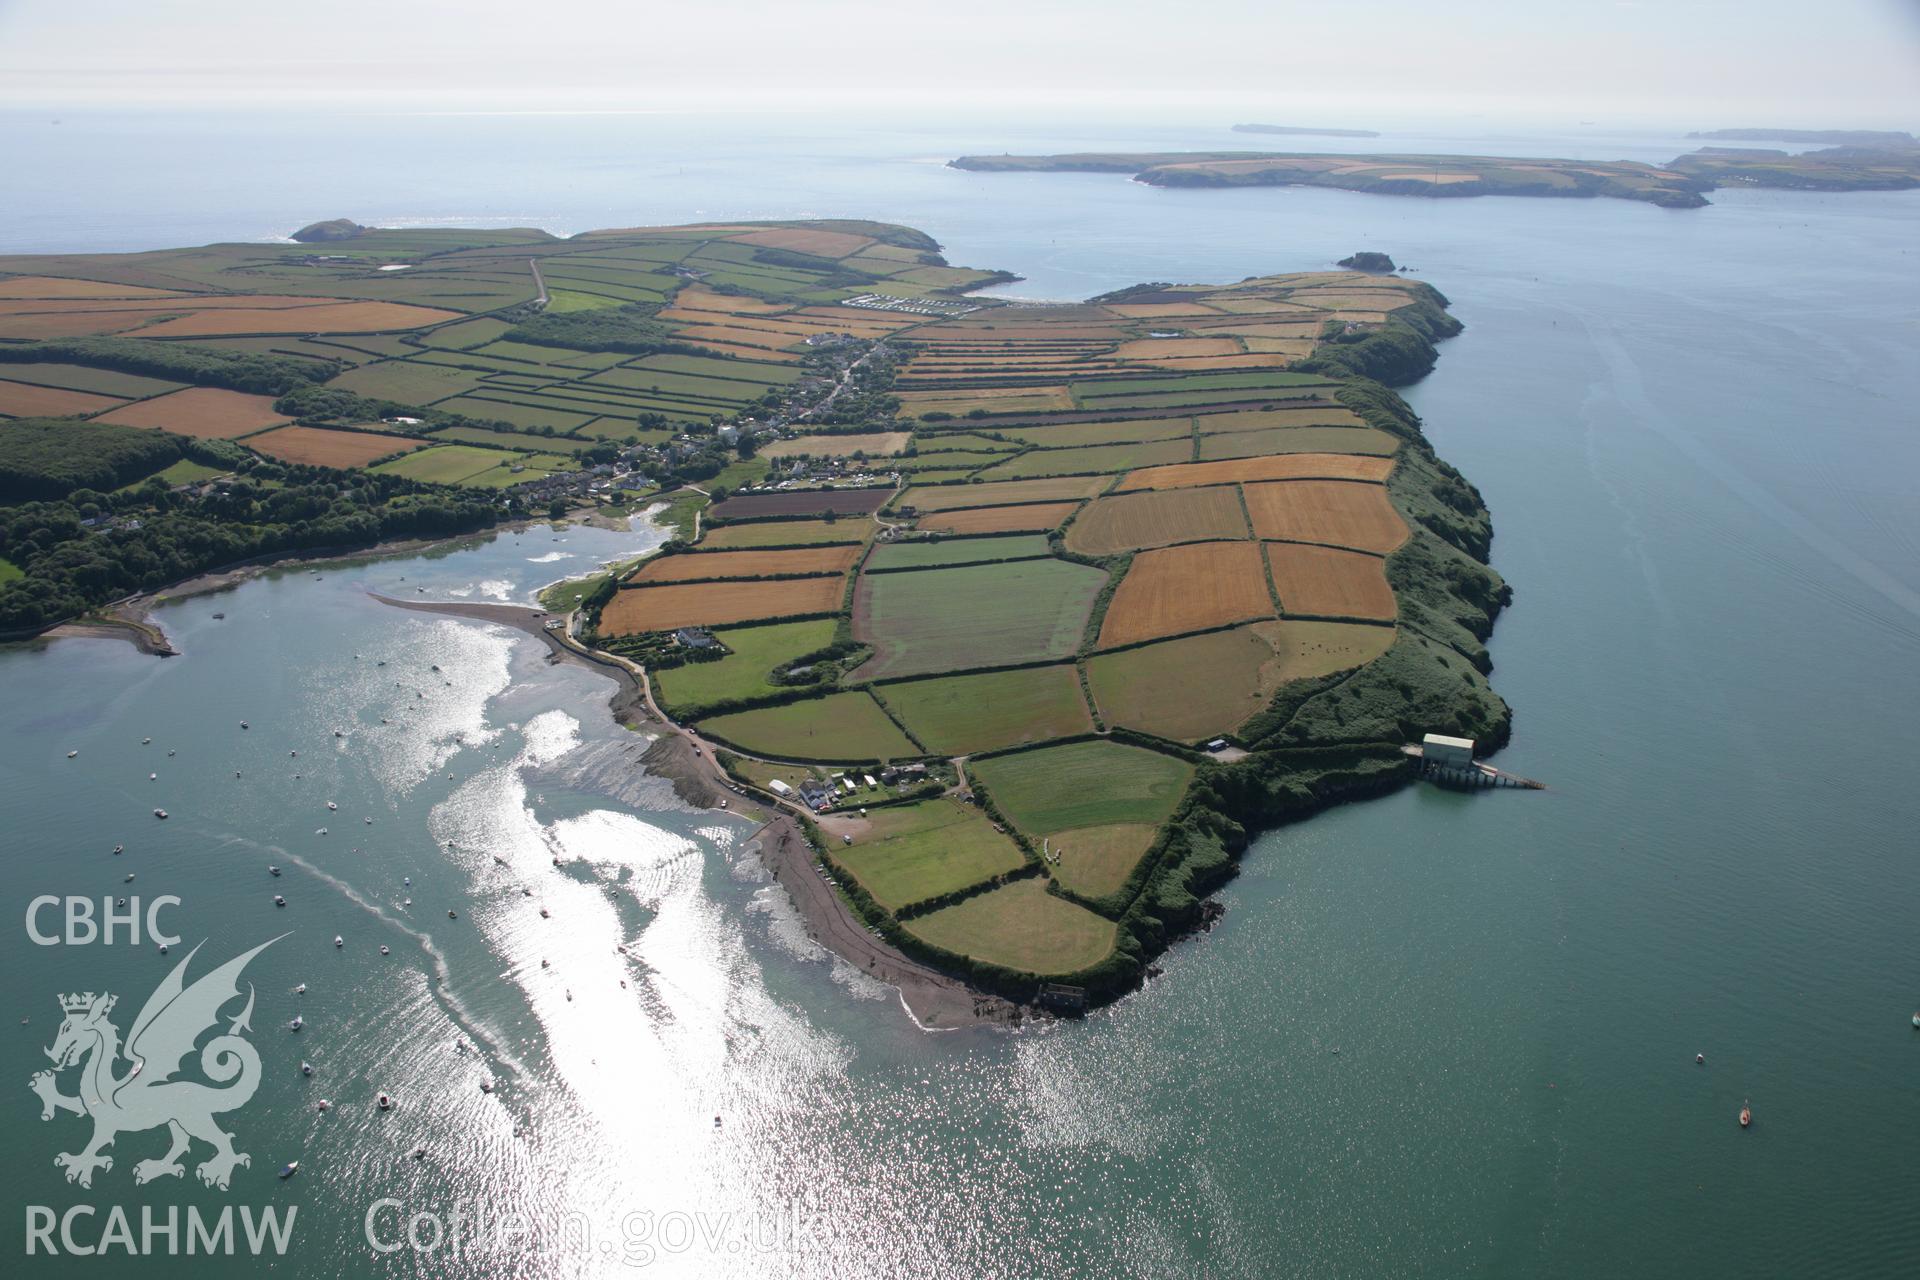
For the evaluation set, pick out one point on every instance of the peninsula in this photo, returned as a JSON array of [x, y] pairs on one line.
[[1024, 617], [1830, 137], [1680, 184], [1305, 131]]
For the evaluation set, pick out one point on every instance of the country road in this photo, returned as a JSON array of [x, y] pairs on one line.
[[539, 282]]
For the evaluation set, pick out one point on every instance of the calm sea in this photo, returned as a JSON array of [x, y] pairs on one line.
[[1434, 1034]]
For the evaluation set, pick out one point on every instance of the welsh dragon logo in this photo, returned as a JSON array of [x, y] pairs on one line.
[[145, 1094]]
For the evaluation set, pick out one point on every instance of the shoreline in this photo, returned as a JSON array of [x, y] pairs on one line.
[[935, 1001], [131, 617]]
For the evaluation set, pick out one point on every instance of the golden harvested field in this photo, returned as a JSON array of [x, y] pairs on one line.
[[1022, 926], [1253, 444], [1027, 519], [1097, 860], [948, 497], [314, 447], [701, 604], [1156, 518], [1287, 466], [753, 340], [876, 443], [209, 413], [22, 400], [54, 287], [691, 566], [1258, 307], [339, 317], [1329, 583], [750, 353], [1160, 310], [1169, 348], [825, 244], [80, 324], [160, 304], [1292, 348], [1329, 511], [695, 298], [1191, 588], [1311, 649]]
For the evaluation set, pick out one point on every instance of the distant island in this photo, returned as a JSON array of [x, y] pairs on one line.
[[1370, 262], [1831, 137], [329, 231], [1398, 175], [1299, 130], [1680, 184]]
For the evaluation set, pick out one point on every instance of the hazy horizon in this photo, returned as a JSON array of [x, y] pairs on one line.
[[1702, 65]]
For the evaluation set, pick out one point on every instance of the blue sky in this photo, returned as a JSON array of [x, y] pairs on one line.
[[1698, 63]]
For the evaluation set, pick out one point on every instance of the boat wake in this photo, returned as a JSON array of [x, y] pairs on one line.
[[491, 1045]]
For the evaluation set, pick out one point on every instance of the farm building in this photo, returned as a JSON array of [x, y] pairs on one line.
[[1443, 752], [780, 789]]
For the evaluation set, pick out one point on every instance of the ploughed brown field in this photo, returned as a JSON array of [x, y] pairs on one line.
[[705, 604], [1027, 519], [213, 414], [746, 564], [1285, 466], [1329, 583], [1335, 512], [314, 447], [1156, 518], [23, 400], [1174, 590]]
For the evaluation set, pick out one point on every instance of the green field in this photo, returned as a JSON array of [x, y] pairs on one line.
[[738, 370], [1068, 435], [466, 333], [564, 300], [1022, 927], [1189, 689], [1083, 784], [929, 553], [743, 673], [845, 727], [185, 471], [954, 619], [912, 852], [519, 415], [1102, 459], [1270, 440], [412, 382], [1099, 388], [958, 715], [784, 533], [76, 377], [511, 439], [9, 571], [446, 463]]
